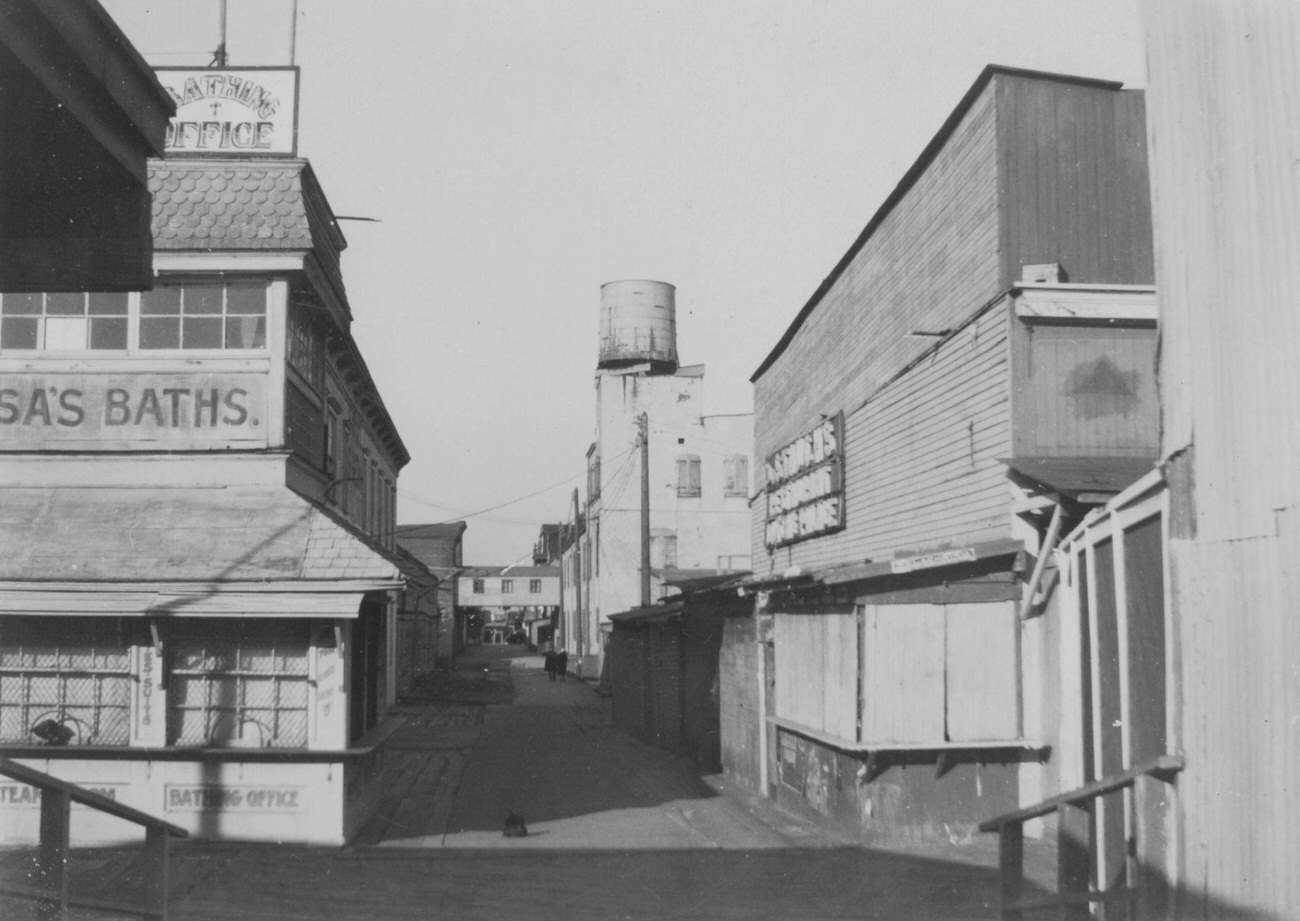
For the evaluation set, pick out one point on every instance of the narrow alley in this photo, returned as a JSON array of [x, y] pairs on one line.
[[617, 829]]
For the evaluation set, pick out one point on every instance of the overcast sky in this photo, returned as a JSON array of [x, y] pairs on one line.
[[517, 155]]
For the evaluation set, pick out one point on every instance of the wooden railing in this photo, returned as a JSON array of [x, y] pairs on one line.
[[50, 891], [1074, 895]]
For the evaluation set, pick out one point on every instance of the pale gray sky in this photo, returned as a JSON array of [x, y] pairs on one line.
[[519, 154]]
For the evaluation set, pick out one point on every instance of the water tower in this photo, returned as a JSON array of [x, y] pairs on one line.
[[638, 325]]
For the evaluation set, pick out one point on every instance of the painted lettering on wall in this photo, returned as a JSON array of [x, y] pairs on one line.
[[118, 410], [208, 798], [20, 795], [248, 111], [805, 485]]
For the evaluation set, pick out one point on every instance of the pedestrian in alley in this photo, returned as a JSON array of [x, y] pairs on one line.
[[562, 665], [552, 662]]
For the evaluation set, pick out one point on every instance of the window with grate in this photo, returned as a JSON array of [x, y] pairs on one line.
[[238, 682], [69, 677], [204, 315], [688, 475], [71, 321]]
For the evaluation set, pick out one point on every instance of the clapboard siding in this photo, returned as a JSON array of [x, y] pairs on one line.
[[1074, 165], [923, 458], [931, 262]]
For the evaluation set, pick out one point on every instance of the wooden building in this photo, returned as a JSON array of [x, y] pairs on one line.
[[975, 373], [82, 113], [1179, 683], [198, 584]]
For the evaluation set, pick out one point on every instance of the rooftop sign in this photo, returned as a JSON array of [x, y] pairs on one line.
[[251, 111]]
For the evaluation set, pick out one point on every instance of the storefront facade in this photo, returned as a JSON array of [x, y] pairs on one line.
[[198, 594]]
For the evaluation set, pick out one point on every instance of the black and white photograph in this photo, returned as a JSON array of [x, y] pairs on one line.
[[649, 460]]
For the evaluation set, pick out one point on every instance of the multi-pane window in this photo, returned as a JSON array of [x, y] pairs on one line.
[[479, 586], [735, 472], [688, 475], [72, 321], [238, 683], [306, 350], [507, 586], [64, 682], [534, 586], [204, 315]]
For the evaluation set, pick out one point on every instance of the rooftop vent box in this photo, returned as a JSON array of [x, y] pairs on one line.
[[1043, 273]]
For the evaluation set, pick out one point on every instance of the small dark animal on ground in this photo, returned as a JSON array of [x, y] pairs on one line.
[[515, 827]]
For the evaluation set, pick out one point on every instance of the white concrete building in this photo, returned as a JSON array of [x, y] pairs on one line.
[[698, 472]]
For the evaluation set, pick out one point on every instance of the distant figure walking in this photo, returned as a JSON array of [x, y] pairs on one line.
[[552, 663], [562, 665]]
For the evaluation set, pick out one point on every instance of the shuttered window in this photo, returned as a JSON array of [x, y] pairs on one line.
[[688, 476]]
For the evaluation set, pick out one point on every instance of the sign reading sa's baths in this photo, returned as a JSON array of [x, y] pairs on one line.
[[232, 112], [126, 411]]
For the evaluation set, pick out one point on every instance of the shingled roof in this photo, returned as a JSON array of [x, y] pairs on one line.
[[233, 206]]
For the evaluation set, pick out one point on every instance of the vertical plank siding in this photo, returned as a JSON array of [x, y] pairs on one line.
[[1225, 140], [1074, 166]]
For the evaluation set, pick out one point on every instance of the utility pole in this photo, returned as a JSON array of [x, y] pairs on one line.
[[577, 584], [643, 421]]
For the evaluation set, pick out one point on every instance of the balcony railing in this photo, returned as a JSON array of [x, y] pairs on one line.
[[50, 889], [1074, 895]]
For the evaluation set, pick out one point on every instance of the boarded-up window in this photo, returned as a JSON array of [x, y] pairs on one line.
[[939, 673], [817, 671]]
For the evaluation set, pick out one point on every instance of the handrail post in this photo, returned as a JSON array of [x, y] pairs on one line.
[[52, 855], [1073, 861], [156, 846], [1011, 863]]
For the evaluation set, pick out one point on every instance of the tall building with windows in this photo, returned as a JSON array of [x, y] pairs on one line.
[[198, 589], [698, 472]]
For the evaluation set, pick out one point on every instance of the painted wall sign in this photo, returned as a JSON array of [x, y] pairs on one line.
[[932, 560], [242, 798], [232, 112], [131, 410], [20, 796], [805, 485], [148, 699]]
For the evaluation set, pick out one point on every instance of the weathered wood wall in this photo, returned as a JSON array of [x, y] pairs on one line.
[[1073, 162], [1225, 141]]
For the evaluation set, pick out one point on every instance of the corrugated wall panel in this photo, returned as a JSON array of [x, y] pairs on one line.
[[1225, 140]]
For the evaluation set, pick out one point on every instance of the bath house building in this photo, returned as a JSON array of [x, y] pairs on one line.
[[198, 593]]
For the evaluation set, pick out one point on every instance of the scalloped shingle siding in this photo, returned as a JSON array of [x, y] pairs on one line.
[[244, 207]]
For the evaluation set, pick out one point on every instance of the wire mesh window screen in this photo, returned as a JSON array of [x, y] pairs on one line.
[[64, 680], [238, 683]]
